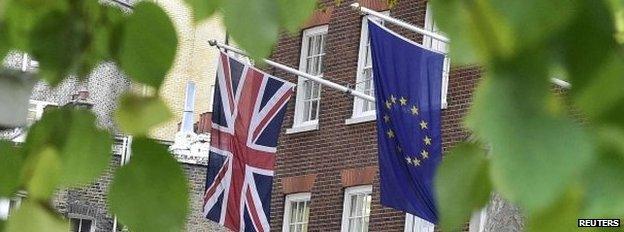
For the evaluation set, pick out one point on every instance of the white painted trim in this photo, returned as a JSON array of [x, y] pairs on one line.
[[364, 38], [297, 197], [368, 117], [429, 42], [416, 224], [477, 222], [83, 217], [346, 206], [303, 128], [305, 38]]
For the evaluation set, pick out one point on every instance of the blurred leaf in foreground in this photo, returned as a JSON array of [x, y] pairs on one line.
[[136, 115], [462, 185], [151, 192]]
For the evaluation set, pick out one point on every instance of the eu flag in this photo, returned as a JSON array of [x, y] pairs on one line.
[[408, 85]]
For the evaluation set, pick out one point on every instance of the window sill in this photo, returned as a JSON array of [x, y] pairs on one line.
[[302, 128], [361, 119]]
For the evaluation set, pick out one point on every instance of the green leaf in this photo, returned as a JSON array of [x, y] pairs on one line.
[[591, 45], [203, 9], [154, 185], [22, 16], [42, 173], [11, 159], [253, 24], [31, 216], [4, 40], [531, 150], [148, 44], [136, 114], [605, 190], [56, 42], [84, 150], [561, 216], [477, 34], [293, 13], [462, 185]]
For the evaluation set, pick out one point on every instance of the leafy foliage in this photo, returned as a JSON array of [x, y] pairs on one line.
[[136, 114], [160, 194], [463, 185], [542, 157], [574, 161], [147, 52], [83, 150], [35, 216], [10, 164]]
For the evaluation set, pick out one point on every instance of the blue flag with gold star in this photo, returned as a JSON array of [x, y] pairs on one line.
[[408, 85]]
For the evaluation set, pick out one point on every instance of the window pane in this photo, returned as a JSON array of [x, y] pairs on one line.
[[85, 226], [360, 204], [75, 224], [314, 110], [353, 205], [308, 88], [293, 212]]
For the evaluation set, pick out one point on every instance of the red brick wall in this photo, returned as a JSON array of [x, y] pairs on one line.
[[336, 147]]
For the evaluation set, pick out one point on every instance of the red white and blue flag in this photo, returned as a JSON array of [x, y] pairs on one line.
[[247, 115]]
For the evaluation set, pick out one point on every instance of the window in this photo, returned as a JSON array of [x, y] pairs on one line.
[[8, 206], [362, 109], [309, 92], [296, 212], [356, 209], [81, 223], [438, 46], [416, 224]]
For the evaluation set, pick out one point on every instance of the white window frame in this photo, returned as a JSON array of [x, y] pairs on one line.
[[82, 217], [359, 115], [298, 124], [416, 224], [6, 209], [438, 46], [478, 220], [290, 198], [346, 207]]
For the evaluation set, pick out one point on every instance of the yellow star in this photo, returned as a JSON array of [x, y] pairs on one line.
[[427, 140], [393, 99], [409, 161], [414, 110], [386, 118], [403, 101], [423, 124], [388, 104], [416, 162], [424, 154], [390, 133]]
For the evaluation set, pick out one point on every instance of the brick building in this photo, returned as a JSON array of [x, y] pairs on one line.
[[326, 175]]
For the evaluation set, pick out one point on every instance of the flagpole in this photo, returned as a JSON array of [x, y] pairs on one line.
[[399, 22], [387, 18], [316, 79]]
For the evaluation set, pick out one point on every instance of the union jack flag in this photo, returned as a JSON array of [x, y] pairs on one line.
[[247, 115]]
